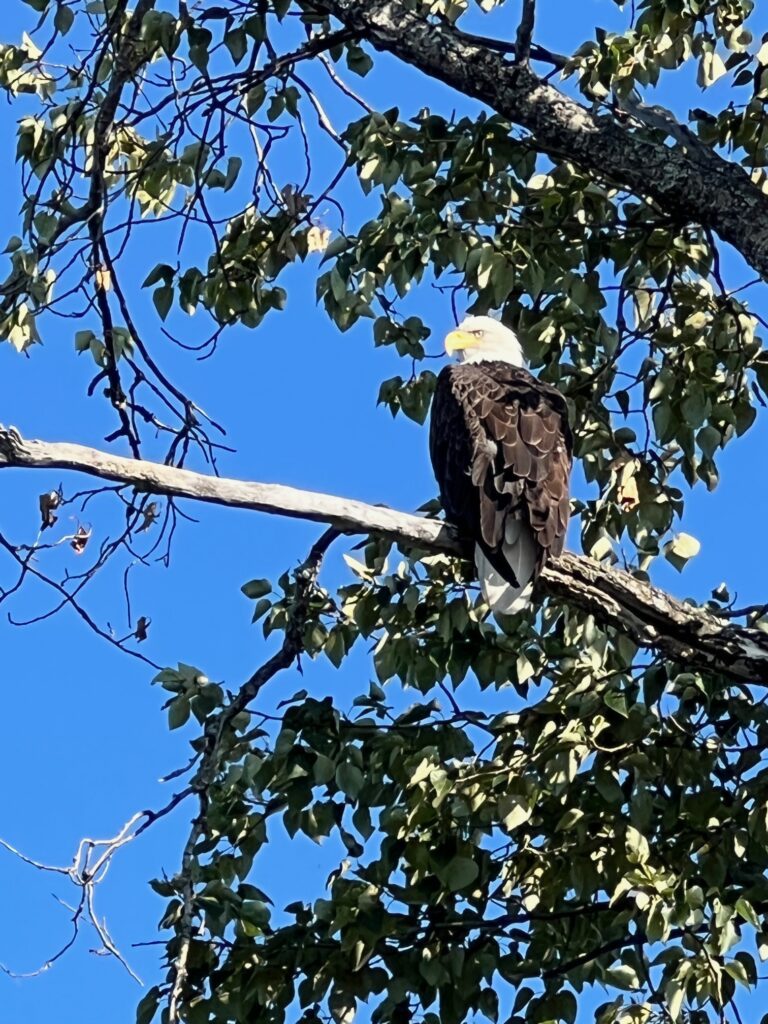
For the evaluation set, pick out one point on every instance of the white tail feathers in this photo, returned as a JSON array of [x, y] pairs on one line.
[[519, 550]]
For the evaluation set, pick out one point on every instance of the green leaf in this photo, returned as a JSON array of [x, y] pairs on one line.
[[745, 909], [571, 817], [349, 779], [709, 439], [623, 976], [257, 588], [163, 300], [256, 912], [617, 701], [63, 19], [680, 549], [335, 647], [276, 107], [178, 711], [236, 42], [233, 170], [261, 608], [488, 1004], [639, 851], [513, 810], [254, 98], [324, 769], [737, 971], [147, 1008], [711, 67], [162, 272], [664, 421], [342, 1006], [200, 40], [459, 873], [674, 990], [83, 340], [358, 60]]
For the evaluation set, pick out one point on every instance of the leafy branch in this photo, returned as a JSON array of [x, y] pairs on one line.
[[218, 739], [698, 184]]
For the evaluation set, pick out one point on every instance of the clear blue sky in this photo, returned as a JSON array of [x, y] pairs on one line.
[[82, 739]]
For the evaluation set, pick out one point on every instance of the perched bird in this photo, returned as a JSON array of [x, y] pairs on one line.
[[501, 451]]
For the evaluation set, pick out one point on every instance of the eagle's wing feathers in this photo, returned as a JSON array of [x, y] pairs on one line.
[[501, 449], [542, 458]]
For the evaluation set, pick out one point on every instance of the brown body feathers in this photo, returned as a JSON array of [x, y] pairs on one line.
[[501, 447]]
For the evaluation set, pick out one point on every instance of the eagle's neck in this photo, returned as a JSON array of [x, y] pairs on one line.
[[505, 353]]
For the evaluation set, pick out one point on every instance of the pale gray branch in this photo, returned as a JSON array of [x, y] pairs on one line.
[[654, 619]]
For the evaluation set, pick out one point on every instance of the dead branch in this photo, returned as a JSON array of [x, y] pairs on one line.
[[654, 619], [87, 870]]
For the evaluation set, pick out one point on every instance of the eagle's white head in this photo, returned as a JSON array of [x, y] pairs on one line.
[[481, 338]]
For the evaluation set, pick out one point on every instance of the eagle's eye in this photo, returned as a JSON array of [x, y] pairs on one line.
[[479, 333]]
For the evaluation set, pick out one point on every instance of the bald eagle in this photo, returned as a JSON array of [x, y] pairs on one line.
[[501, 451]]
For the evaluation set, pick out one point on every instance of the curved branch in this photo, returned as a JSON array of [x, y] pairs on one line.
[[653, 618], [691, 182]]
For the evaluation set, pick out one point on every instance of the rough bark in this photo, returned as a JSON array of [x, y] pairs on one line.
[[651, 617], [690, 182]]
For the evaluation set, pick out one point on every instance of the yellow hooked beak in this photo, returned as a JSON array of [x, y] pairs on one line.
[[457, 341]]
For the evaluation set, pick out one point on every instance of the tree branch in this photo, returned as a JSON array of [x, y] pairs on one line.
[[525, 32], [654, 619], [691, 183], [215, 732], [121, 75], [537, 52]]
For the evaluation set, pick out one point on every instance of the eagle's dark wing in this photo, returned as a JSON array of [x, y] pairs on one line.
[[453, 442], [501, 445]]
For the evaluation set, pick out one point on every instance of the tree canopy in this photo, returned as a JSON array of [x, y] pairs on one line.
[[584, 836]]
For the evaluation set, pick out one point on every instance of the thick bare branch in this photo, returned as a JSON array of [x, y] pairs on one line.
[[689, 182], [651, 617]]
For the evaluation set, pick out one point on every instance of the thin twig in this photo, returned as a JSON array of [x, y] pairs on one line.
[[88, 869], [525, 33]]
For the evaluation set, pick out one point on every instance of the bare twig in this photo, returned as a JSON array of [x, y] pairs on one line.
[[88, 868], [525, 33], [65, 598], [341, 85]]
